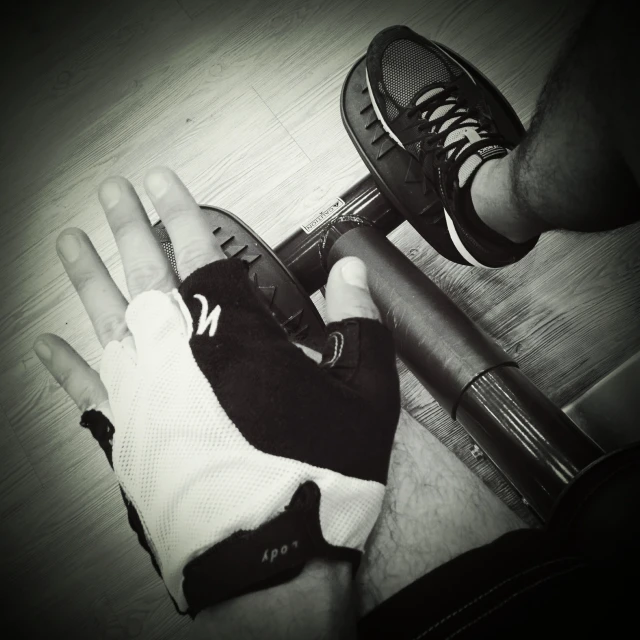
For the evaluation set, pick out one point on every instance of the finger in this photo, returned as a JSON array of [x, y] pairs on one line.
[[193, 242], [348, 293], [72, 373], [145, 263], [102, 299]]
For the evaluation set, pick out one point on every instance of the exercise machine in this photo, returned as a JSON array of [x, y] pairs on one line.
[[537, 446]]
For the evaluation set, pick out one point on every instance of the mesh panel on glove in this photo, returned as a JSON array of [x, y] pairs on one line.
[[219, 420]]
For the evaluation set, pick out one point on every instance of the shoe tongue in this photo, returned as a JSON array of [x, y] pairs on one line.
[[470, 133]]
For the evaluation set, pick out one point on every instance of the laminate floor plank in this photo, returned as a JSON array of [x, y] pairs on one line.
[[18, 480]]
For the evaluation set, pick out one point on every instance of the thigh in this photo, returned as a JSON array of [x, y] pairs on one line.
[[435, 509]]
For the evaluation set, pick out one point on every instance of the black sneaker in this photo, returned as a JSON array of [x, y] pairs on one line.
[[433, 108]]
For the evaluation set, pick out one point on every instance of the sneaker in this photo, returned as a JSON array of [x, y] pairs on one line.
[[435, 110]]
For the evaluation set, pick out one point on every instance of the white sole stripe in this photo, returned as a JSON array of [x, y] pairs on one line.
[[462, 250]]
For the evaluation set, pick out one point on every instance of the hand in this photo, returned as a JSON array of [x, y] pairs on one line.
[[208, 400]]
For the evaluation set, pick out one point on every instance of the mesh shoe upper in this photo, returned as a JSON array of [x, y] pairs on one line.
[[430, 105], [406, 60], [406, 70]]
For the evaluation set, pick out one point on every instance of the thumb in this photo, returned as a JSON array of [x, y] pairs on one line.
[[348, 293], [359, 351]]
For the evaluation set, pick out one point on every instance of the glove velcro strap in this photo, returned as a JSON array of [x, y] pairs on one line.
[[273, 554]]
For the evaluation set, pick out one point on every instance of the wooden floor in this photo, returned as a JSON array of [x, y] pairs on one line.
[[241, 98]]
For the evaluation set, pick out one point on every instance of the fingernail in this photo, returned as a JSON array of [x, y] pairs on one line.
[[157, 183], [69, 247], [110, 193], [355, 273], [42, 350]]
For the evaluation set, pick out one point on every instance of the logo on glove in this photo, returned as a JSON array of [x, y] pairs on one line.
[[206, 319], [271, 554]]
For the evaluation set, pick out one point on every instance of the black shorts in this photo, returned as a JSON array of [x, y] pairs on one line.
[[526, 584], [577, 578]]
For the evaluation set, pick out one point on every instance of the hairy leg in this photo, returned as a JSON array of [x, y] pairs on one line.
[[434, 509], [577, 167]]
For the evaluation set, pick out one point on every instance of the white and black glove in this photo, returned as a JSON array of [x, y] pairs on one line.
[[239, 457]]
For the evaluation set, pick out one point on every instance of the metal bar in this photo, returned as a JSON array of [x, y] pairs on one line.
[[443, 347], [304, 254], [537, 447]]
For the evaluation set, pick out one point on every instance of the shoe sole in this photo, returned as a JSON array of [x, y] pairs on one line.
[[455, 238]]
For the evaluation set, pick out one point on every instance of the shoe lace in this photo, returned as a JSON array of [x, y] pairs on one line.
[[459, 115]]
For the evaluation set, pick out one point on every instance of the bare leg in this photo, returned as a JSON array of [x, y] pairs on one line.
[[434, 509], [578, 167]]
